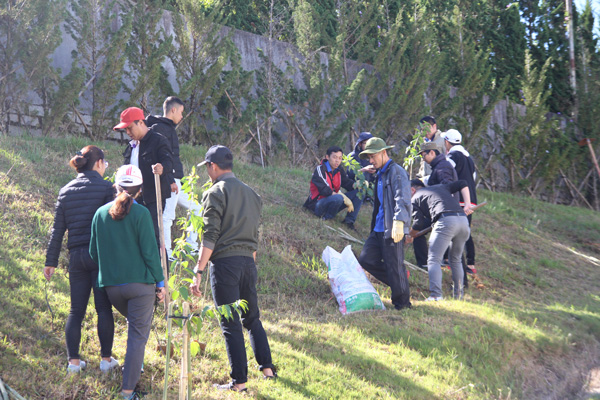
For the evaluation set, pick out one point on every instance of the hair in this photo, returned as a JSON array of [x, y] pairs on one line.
[[225, 166], [429, 119], [122, 205], [85, 159], [334, 149], [437, 152], [416, 183], [170, 103]]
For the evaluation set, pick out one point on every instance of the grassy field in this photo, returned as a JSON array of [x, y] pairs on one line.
[[532, 332]]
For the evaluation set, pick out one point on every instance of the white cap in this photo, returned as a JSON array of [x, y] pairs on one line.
[[128, 176], [453, 136]]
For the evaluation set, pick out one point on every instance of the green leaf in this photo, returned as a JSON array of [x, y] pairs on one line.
[[194, 348], [185, 293], [175, 295]]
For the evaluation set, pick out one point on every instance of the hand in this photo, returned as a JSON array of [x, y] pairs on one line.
[[347, 202], [174, 188], [161, 293], [468, 209], [48, 272], [195, 286], [157, 169], [369, 168], [397, 231], [409, 239]]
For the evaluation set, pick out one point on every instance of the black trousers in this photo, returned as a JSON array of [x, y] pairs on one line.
[[384, 259], [234, 278], [83, 278]]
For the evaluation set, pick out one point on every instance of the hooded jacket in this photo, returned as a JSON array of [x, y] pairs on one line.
[[166, 127], [424, 168], [324, 183], [465, 169], [355, 154], [441, 171], [396, 199]]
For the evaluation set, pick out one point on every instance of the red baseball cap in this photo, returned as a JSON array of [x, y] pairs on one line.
[[128, 116]]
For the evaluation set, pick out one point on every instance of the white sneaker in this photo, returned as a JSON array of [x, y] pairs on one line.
[[434, 298], [106, 366], [75, 369]]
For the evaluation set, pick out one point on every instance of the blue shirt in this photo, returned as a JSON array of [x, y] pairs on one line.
[[328, 166], [379, 219]]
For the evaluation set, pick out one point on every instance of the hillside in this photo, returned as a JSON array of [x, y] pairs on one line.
[[532, 332]]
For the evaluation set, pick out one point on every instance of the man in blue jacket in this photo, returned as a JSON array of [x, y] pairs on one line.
[[383, 252]]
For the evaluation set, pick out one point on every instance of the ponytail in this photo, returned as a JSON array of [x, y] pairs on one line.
[[122, 204]]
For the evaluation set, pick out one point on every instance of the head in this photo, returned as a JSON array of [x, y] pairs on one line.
[[132, 120], [128, 182], [428, 121], [452, 137], [362, 139], [415, 185], [173, 109], [376, 152], [429, 151], [334, 155], [90, 158], [218, 160]]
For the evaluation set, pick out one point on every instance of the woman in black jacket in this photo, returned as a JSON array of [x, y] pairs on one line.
[[76, 205]]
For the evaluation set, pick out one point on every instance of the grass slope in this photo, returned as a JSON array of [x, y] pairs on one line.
[[532, 332]]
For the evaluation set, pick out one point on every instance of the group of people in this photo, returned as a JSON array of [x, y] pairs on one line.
[[114, 241], [441, 197]]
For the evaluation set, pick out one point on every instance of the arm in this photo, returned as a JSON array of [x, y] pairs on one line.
[[467, 198], [205, 254], [54, 244], [93, 245], [402, 202]]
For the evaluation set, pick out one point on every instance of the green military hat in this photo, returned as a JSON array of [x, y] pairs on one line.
[[374, 145]]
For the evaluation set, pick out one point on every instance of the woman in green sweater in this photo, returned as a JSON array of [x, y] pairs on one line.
[[124, 246]]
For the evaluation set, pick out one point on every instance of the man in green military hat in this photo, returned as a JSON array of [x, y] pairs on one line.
[[383, 252]]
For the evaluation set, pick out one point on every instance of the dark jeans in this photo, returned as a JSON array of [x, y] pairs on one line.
[[420, 248], [83, 277], [384, 259], [135, 301], [470, 246], [234, 278], [328, 207]]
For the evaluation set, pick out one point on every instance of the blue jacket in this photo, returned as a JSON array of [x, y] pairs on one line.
[[364, 136], [396, 199]]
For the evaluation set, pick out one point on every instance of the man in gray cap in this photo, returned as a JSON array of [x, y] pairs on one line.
[[231, 213], [383, 252]]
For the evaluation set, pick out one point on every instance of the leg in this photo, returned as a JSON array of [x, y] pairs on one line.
[[438, 243], [356, 202], [106, 324], [420, 248], [371, 257], [185, 200], [169, 217], [80, 284], [140, 305], [225, 277], [328, 207], [393, 258], [459, 228], [251, 318]]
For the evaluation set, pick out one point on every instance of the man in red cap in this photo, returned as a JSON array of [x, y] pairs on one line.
[[151, 153]]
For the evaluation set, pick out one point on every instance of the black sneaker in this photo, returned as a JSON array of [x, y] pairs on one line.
[[229, 386], [350, 225]]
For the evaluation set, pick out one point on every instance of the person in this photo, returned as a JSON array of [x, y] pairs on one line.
[[150, 152], [432, 135], [464, 165], [77, 202], [450, 228], [231, 213], [383, 252], [122, 243], [441, 169], [326, 199], [165, 125], [355, 155]]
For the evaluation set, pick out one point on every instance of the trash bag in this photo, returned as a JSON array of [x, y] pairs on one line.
[[349, 283]]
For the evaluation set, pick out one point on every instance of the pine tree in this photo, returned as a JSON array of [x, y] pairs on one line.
[[147, 48], [100, 33]]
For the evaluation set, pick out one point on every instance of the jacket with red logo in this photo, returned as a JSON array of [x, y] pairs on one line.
[[324, 183]]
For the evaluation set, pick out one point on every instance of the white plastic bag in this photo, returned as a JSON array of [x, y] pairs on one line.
[[349, 283]]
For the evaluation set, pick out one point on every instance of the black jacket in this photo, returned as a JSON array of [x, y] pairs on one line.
[[465, 169], [430, 202], [154, 148], [166, 127], [76, 205], [441, 171], [355, 154]]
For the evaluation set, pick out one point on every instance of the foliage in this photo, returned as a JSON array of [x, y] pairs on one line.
[[101, 34], [365, 189]]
